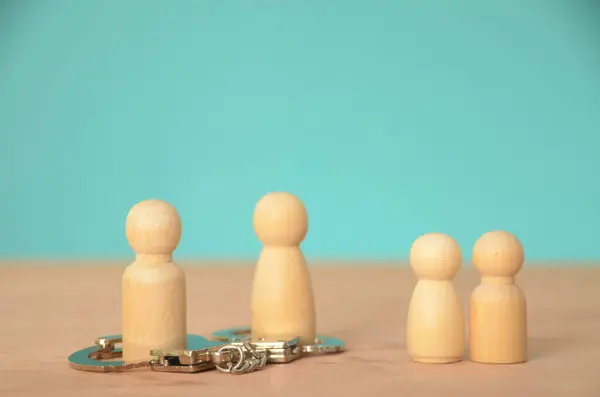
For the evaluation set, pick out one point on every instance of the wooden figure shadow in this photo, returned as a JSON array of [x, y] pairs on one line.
[[540, 348]]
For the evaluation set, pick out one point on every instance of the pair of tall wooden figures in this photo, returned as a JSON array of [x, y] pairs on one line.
[[154, 312]]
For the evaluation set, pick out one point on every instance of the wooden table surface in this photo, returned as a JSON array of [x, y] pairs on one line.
[[47, 313]]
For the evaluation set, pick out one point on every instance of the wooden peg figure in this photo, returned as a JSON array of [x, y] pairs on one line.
[[153, 287], [435, 332], [282, 298], [498, 306]]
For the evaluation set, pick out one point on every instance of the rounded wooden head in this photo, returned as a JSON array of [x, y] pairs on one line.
[[280, 219], [435, 256], [153, 227], [498, 254]]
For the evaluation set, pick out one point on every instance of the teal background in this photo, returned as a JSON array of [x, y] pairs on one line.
[[388, 118]]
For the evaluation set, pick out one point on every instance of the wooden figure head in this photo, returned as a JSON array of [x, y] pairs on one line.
[[498, 254], [153, 227], [280, 219], [435, 256]]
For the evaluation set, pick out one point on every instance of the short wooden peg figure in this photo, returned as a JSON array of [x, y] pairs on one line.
[[153, 287], [282, 297], [435, 332], [498, 306]]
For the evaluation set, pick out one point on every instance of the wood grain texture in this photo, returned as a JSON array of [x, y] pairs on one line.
[[282, 304], [153, 304], [435, 329], [47, 313]]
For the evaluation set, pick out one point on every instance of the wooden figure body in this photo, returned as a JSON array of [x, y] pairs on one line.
[[498, 306], [153, 287], [435, 330], [282, 297]]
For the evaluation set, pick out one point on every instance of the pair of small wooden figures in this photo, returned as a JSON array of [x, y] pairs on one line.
[[498, 310]]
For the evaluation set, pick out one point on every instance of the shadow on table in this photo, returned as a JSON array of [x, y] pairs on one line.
[[540, 348]]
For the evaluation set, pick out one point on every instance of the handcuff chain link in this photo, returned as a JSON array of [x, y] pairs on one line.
[[243, 359]]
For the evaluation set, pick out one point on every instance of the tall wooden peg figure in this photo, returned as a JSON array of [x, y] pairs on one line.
[[435, 332], [498, 306], [153, 287], [282, 297]]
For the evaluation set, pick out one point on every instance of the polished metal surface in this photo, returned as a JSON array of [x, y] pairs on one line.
[[202, 354], [234, 352], [105, 355], [94, 358], [276, 351], [187, 361], [322, 344], [227, 358]]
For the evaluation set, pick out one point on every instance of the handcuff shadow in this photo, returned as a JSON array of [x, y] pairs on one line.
[[106, 355]]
